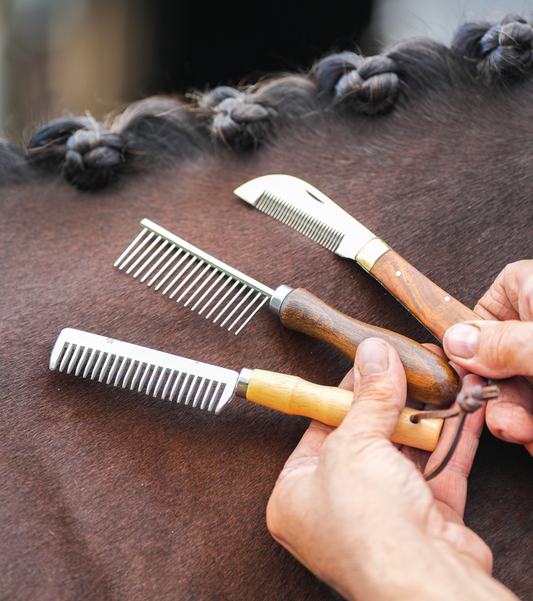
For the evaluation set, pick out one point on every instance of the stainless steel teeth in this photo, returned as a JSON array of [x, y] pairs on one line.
[[185, 273], [152, 372], [297, 219]]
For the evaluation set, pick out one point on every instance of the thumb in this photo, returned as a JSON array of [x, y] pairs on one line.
[[379, 391], [494, 349]]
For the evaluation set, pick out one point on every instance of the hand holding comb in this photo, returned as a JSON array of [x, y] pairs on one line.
[[231, 298], [211, 387], [306, 209]]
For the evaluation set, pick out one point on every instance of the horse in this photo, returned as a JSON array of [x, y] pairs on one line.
[[107, 494]]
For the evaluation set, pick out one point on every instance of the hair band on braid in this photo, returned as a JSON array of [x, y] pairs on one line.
[[502, 51], [368, 85]]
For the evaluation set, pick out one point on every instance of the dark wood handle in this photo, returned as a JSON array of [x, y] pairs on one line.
[[433, 307], [429, 378]]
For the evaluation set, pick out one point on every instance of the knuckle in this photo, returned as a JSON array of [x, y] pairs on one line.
[[378, 389], [275, 517], [504, 346], [492, 347]]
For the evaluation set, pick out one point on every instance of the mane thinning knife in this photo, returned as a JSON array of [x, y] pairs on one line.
[[306, 209], [230, 298]]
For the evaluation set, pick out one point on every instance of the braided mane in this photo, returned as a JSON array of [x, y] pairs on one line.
[[91, 155]]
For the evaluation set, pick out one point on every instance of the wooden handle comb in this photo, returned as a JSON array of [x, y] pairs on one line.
[[292, 395]]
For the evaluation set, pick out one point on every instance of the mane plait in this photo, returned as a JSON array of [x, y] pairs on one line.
[[496, 52], [369, 85], [241, 119], [87, 154], [90, 155]]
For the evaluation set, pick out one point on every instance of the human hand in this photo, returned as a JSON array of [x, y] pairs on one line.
[[502, 347], [357, 512]]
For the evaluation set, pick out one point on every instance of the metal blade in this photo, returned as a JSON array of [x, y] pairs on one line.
[[154, 372], [188, 274], [306, 209]]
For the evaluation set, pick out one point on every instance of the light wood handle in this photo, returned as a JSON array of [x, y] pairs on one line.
[[436, 309], [292, 395], [430, 379]]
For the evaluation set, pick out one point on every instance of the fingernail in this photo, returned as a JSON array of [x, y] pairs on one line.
[[372, 357], [461, 340]]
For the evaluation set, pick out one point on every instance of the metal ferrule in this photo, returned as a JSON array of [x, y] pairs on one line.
[[371, 252], [279, 295], [243, 381]]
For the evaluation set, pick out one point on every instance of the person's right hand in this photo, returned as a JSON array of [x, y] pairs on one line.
[[501, 347]]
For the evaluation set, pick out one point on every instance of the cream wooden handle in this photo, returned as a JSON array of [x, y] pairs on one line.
[[292, 395]]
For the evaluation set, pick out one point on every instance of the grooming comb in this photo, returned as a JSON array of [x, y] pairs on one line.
[[306, 209], [210, 387], [231, 298]]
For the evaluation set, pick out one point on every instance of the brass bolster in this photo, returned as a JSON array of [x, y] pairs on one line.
[[371, 252]]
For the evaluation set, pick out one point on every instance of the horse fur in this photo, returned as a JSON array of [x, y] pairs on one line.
[[110, 495]]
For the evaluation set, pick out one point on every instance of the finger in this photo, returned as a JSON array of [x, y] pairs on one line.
[[379, 391], [466, 541], [509, 417], [450, 485], [347, 381], [435, 348], [510, 296], [492, 349], [305, 455], [496, 303]]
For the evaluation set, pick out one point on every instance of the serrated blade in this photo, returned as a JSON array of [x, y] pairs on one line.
[[153, 372], [307, 210], [303, 207]]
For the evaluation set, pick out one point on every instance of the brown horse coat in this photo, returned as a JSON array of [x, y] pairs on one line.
[[110, 495]]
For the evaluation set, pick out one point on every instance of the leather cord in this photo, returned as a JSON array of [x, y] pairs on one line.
[[468, 401]]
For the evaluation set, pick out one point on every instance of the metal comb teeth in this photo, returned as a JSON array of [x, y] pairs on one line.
[[309, 226], [135, 367], [209, 286]]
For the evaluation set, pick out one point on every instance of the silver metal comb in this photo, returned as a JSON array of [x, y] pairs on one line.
[[186, 273], [211, 387], [159, 257], [145, 370]]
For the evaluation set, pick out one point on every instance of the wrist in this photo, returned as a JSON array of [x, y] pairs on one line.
[[421, 570]]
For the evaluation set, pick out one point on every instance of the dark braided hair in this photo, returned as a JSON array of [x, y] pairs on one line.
[[368, 85], [88, 155], [242, 119], [503, 51], [91, 155]]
